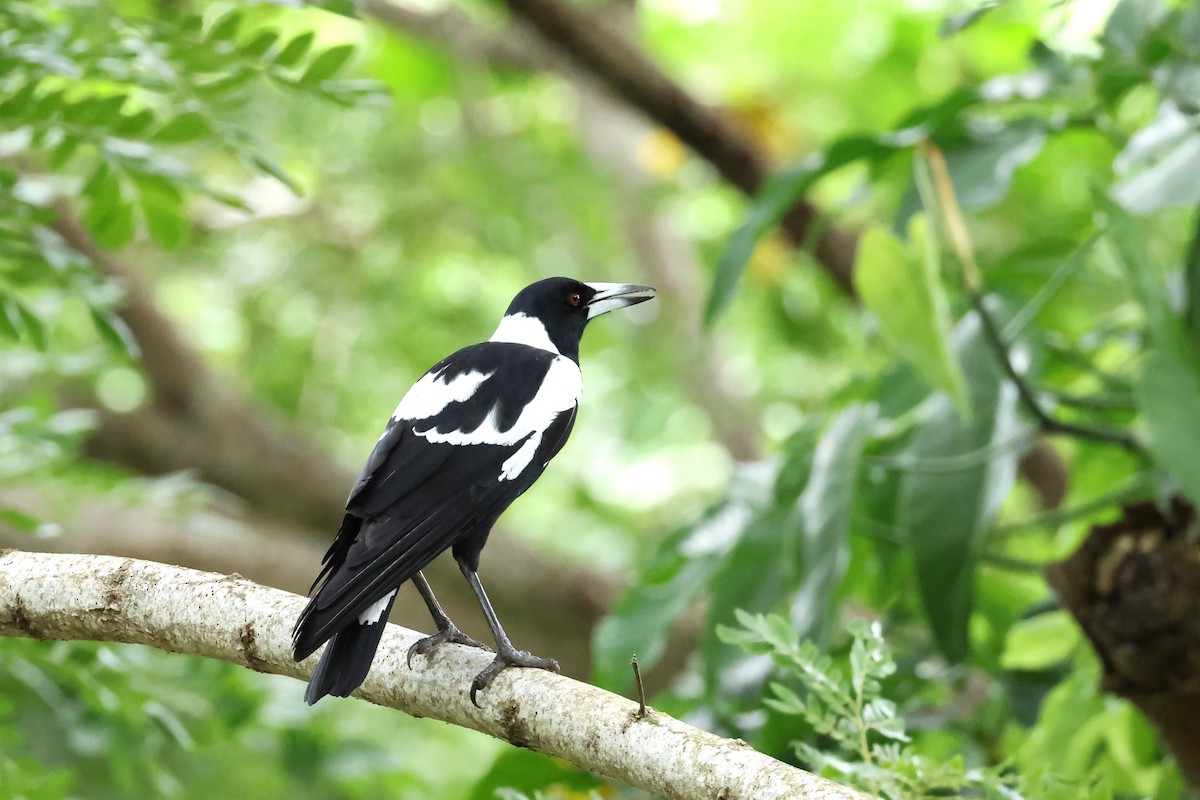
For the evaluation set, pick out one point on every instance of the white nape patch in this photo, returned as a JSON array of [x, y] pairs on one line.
[[524, 329], [559, 392], [374, 611], [432, 393]]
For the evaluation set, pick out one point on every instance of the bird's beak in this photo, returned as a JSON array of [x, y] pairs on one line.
[[611, 296]]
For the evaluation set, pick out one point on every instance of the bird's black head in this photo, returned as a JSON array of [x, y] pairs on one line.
[[552, 314]]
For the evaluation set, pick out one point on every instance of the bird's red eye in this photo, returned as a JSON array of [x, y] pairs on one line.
[[574, 299]]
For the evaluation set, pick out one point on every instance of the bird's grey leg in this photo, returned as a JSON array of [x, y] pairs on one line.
[[447, 630], [506, 654]]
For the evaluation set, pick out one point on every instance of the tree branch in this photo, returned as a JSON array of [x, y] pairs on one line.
[[229, 618], [1134, 588], [1047, 423]]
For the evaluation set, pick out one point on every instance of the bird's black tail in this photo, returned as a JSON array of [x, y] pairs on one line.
[[347, 658]]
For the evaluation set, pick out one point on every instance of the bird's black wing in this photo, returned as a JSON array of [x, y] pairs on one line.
[[466, 441]]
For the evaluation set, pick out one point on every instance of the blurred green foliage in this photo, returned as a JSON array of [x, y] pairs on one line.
[[323, 248]]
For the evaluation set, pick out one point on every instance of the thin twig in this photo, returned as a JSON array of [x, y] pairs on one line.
[[641, 690], [955, 229], [1047, 423]]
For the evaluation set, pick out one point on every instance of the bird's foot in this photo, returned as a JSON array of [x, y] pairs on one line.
[[449, 634], [509, 657]]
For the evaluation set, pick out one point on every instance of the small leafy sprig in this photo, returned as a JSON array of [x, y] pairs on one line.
[[864, 741]]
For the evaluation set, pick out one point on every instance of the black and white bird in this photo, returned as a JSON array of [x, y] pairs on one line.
[[466, 440]]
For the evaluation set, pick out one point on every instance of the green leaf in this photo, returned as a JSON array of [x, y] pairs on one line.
[[1147, 279], [225, 82], [822, 516], [1160, 163], [115, 333], [16, 102], [269, 167], [1040, 642], [956, 23], [162, 209], [111, 221], [133, 124], [1168, 394], [9, 320], [295, 50], [345, 8], [1130, 22], [906, 294], [982, 169], [186, 127], [47, 104], [774, 198], [22, 318], [260, 44], [226, 27], [192, 23], [63, 151], [327, 64], [960, 472], [1191, 282], [224, 198], [353, 91], [18, 520], [167, 226]]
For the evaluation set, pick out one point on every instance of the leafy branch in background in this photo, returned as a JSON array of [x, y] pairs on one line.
[[999, 321], [121, 121], [937, 193], [858, 736], [96, 106]]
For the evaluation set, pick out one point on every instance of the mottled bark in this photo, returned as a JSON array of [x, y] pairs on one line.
[[1134, 587]]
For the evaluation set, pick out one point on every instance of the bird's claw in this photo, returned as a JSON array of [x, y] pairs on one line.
[[450, 634], [509, 658]]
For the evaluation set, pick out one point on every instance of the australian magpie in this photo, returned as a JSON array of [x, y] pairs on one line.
[[466, 440]]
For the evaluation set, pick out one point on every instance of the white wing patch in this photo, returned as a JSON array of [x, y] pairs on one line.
[[559, 392], [524, 329], [515, 464], [433, 393], [374, 612]]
